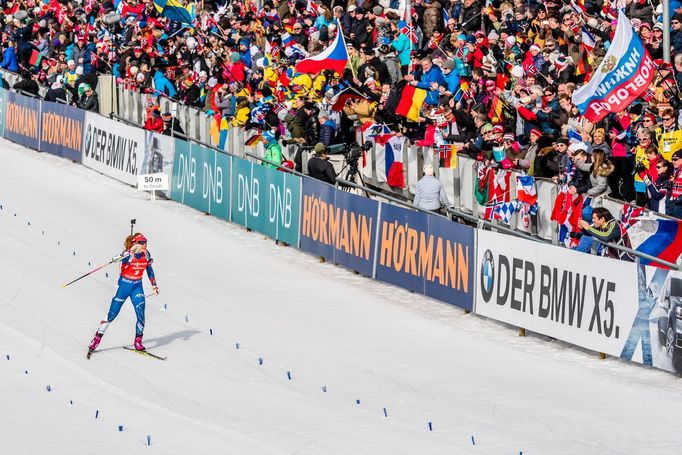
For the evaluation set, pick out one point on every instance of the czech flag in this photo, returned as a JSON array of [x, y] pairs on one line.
[[665, 243], [334, 57]]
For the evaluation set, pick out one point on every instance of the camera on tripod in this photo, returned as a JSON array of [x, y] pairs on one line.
[[351, 154]]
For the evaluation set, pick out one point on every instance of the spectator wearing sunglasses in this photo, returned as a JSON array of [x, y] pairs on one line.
[[134, 261], [669, 134]]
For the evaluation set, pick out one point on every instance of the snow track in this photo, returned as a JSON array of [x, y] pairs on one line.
[[422, 360]]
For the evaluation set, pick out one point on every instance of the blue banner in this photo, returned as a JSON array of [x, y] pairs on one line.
[[317, 201], [201, 179], [22, 120], [62, 129], [353, 222], [426, 254], [402, 258], [266, 200], [454, 262]]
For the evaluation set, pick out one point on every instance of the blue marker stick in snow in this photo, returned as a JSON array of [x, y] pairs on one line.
[[120, 428], [210, 331], [324, 388], [430, 426], [260, 360], [236, 345], [289, 375], [149, 440], [385, 413], [473, 441], [97, 413], [49, 389]]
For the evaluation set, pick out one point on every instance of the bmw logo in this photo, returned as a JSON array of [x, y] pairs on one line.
[[487, 275]]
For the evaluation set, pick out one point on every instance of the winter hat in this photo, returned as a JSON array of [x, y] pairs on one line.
[[535, 47], [510, 41], [268, 136], [79, 70], [319, 148], [574, 147], [562, 140], [377, 10], [234, 57], [140, 77], [560, 62], [508, 137], [212, 82], [191, 43], [535, 132], [658, 26], [517, 72], [493, 36], [498, 129], [449, 65]]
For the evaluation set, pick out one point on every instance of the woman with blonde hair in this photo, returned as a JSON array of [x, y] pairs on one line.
[[600, 168], [135, 259]]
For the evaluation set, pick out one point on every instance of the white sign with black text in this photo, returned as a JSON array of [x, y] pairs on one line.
[[585, 300]]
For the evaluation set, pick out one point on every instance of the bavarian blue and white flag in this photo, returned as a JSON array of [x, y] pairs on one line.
[[626, 71]]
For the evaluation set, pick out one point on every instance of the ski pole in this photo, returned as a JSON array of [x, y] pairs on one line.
[[92, 271]]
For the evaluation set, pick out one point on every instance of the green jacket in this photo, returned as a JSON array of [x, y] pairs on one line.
[[273, 153]]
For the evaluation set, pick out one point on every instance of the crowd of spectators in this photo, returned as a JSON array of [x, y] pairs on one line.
[[498, 76]]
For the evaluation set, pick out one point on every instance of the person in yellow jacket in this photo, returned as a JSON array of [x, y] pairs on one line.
[[669, 134], [642, 165], [242, 113]]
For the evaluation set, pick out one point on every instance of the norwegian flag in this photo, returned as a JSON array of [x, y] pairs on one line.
[[409, 31], [567, 212], [279, 107], [312, 7], [630, 215], [648, 95]]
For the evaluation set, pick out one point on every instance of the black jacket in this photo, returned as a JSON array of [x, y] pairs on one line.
[[321, 170], [89, 103]]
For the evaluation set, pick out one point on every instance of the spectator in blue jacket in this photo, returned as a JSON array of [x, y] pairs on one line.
[[432, 78], [163, 85], [452, 85], [403, 46], [9, 58], [327, 129]]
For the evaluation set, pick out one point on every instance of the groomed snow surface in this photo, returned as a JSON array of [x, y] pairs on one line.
[[421, 360]]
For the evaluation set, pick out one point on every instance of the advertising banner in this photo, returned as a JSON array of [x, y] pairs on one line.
[[113, 148], [426, 254], [586, 300], [62, 130], [266, 200], [450, 276], [22, 120], [3, 108], [339, 226], [317, 201], [201, 179], [159, 153], [655, 335]]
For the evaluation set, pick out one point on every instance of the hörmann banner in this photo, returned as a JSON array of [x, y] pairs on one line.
[[339, 226], [426, 254], [113, 148], [201, 179], [62, 130], [22, 120], [266, 200], [586, 300]]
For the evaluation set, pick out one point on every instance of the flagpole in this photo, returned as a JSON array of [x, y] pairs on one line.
[[408, 19], [666, 31], [339, 30]]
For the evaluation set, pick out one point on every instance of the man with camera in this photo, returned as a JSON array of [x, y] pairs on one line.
[[319, 166]]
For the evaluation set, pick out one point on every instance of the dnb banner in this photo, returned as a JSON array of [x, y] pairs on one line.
[[586, 300], [22, 120], [112, 148], [339, 226], [201, 179], [62, 129], [266, 200], [426, 254]]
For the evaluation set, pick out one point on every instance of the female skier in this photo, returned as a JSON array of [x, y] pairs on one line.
[[134, 261]]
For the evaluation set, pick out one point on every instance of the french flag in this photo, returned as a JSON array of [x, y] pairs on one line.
[[665, 243], [334, 57]]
